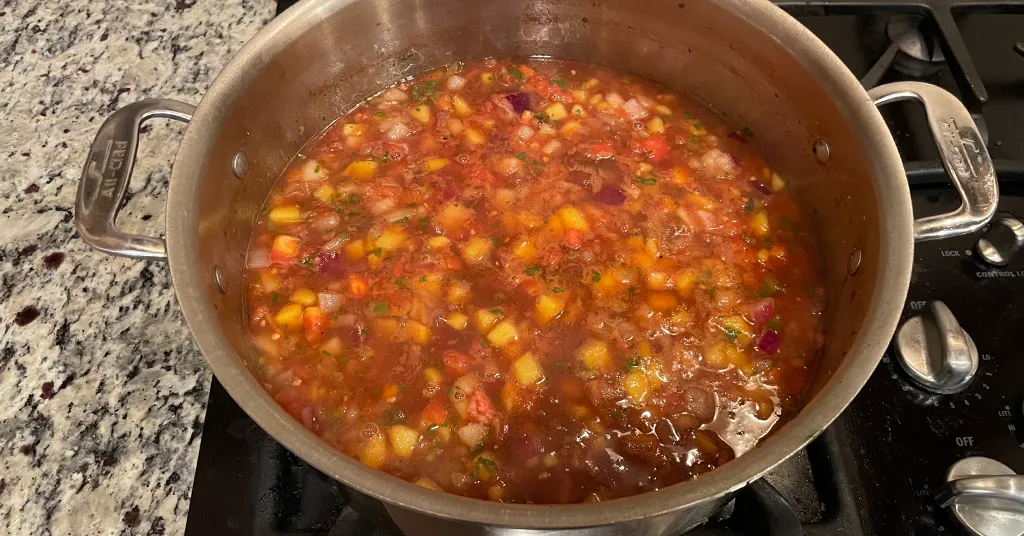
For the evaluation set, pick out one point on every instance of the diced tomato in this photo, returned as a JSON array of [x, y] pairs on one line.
[[291, 402], [285, 249], [456, 362], [573, 239], [656, 147], [530, 287], [434, 413], [315, 322], [601, 151], [358, 286], [480, 408], [479, 175]]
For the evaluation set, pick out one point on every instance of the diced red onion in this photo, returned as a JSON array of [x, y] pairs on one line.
[[761, 187], [646, 102], [259, 257], [326, 221], [329, 263], [519, 101], [610, 195], [398, 131], [769, 342], [762, 311], [328, 302], [634, 109], [456, 82], [506, 105]]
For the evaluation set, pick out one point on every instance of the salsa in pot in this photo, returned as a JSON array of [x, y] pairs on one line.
[[537, 282]]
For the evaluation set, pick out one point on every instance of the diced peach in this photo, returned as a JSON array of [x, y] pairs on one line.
[[285, 214], [363, 170], [462, 108], [684, 282], [457, 321], [434, 164], [391, 238], [556, 111], [285, 249], [474, 136], [484, 320], [636, 387], [759, 223], [662, 300], [477, 249], [355, 249], [503, 334], [453, 216], [418, 332], [289, 317], [547, 308], [403, 440], [572, 218], [527, 370], [458, 292], [352, 129], [374, 451], [525, 251], [325, 193], [421, 113], [304, 296], [595, 355]]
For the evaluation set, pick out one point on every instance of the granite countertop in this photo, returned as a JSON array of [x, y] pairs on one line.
[[103, 390]]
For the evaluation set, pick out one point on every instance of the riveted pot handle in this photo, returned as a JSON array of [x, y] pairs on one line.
[[106, 174], [963, 154]]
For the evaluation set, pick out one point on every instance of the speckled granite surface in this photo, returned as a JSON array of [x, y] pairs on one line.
[[102, 392]]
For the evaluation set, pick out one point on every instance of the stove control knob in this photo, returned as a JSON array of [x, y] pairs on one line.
[[985, 496], [935, 351], [1004, 237]]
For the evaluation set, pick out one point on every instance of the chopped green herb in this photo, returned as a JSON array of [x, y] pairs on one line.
[[517, 74], [558, 290], [540, 116], [694, 139], [424, 91], [301, 156], [485, 343], [632, 290], [423, 279], [403, 220], [704, 276], [730, 334], [497, 311], [770, 287], [786, 223], [712, 292], [378, 252], [316, 169], [650, 181], [423, 222], [355, 212], [326, 353], [379, 114], [775, 325], [747, 132], [380, 308], [749, 207], [400, 282], [363, 332], [274, 297], [532, 270], [560, 364], [558, 81], [521, 156], [632, 363], [698, 127], [810, 290], [352, 199], [595, 276]]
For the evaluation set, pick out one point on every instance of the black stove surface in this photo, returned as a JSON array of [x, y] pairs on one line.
[[876, 470]]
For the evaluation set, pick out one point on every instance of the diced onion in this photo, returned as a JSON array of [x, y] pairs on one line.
[[328, 302], [646, 102], [259, 257], [505, 105], [456, 82], [398, 131], [615, 100], [524, 132], [634, 109], [346, 320], [403, 213], [382, 206], [472, 434], [394, 95], [551, 147]]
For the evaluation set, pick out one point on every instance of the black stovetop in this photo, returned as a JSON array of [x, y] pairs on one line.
[[875, 470]]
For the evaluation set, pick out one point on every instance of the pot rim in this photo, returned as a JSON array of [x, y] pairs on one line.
[[881, 319]]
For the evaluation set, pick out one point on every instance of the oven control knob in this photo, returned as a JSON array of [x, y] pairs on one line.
[[985, 496], [1002, 239], [935, 351]]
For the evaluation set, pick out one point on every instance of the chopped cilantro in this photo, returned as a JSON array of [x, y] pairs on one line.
[[712, 292], [786, 223], [497, 311], [363, 332], [326, 353], [770, 287], [650, 181], [540, 116], [775, 325], [517, 74], [301, 156], [379, 114], [485, 343], [352, 199], [560, 82], [689, 116], [730, 334], [423, 279], [749, 207], [380, 308], [378, 252], [632, 363], [355, 212], [595, 276], [560, 364], [747, 132], [704, 276], [433, 428], [694, 139], [403, 220], [521, 156], [274, 297], [698, 127], [558, 290], [532, 270], [424, 91], [400, 282], [316, 169]]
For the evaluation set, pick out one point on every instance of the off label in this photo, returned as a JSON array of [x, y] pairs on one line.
[[965, 441]]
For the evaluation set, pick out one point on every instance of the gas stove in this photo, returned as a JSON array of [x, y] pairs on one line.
[[944, 404]]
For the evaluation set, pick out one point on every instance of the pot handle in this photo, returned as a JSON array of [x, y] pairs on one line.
[[106, 174], [963, 154]]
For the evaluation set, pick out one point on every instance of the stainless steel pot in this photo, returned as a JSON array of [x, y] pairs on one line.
[[744, 58]]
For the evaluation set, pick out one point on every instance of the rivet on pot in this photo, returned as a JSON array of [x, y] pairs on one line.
[[239, 164], [855, 258], [821, 150], [218, 276]]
